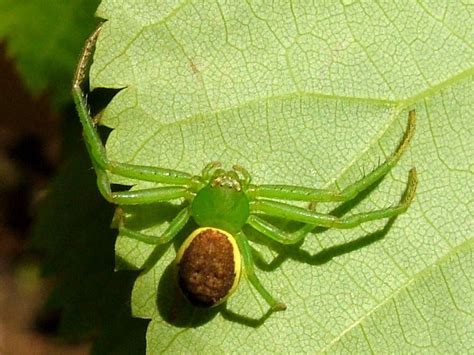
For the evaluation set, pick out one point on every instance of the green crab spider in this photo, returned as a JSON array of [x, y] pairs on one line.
[[221, 202]]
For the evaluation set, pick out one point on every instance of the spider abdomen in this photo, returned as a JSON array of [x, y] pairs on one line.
[[208, 265]]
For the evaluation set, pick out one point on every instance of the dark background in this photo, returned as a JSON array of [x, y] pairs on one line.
[[59, 293]]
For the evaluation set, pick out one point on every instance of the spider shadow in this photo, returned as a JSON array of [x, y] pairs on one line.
[[295, 252], [174, 308], [140, 217], [177, 311], [229, 315]]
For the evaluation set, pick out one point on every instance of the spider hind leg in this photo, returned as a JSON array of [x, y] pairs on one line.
[[248, 262], [176, 224]]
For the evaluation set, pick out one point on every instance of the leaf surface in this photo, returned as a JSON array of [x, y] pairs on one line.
[[313, 96]]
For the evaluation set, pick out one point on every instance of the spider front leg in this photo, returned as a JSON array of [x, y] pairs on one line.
[[139, 197], [94, 143], [252, 277], [296, 193], [283, 210]]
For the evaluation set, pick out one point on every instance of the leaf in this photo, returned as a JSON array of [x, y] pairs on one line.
[[73, 237], [44, 37], [314, 96]]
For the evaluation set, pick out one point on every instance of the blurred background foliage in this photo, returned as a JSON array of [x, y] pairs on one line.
[[57, 279]]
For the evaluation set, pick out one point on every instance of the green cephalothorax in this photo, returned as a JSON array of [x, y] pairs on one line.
[[222, 202]]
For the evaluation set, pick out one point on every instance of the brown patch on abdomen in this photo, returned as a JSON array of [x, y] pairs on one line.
[[206, 271]]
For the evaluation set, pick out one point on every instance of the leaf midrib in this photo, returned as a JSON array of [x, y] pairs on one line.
[[399, 104]]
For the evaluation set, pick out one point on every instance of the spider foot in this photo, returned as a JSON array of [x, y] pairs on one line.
[[279, 307]]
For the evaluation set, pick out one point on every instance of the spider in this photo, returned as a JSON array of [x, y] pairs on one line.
[[221, 202]]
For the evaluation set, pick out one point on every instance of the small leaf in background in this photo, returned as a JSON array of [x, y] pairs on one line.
[[45, 38], [313, 96]]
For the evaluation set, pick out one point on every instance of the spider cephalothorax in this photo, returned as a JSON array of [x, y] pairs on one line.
[[222, 203]]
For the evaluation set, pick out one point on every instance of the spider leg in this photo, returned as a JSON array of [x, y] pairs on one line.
[[249, 268], [283, 210], [94, 143], [287, 192], [174, 227], [276, 233], [136, 197]]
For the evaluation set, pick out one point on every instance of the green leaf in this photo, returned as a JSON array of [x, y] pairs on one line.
[[44, 38], [314, 96], [72, 235]]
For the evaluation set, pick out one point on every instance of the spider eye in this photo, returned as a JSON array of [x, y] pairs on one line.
[[208, 266]]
